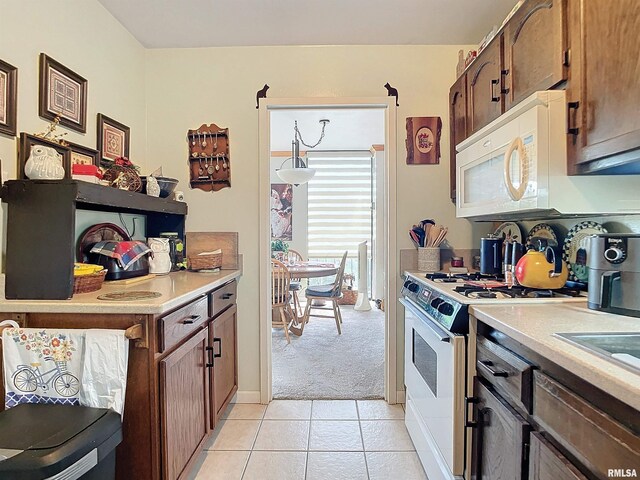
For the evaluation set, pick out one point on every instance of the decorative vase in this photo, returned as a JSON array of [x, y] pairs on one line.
[[44, 164]]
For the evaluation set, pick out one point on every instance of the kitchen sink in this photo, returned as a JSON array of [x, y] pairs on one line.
[[620, 347]]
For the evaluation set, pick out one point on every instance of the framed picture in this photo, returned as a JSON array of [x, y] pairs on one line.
[[281, 217], [81, 155], [423, 140], [63, 93], [27, 142], [8, 98], [113, 138]]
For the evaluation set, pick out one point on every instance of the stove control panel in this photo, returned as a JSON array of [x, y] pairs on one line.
[[449, 313]]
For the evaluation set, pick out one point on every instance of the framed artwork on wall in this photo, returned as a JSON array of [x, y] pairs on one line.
[[281, 217], [27, 142], [113, 138], [423, 140], [63, 93], [8, 98], [81, 155]]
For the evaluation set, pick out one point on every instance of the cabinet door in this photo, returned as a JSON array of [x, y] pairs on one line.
[[184, 403], [547, 463], [223, 335], [534, 46], [604, 84], [499, 440], [457, 125], [484, 87]]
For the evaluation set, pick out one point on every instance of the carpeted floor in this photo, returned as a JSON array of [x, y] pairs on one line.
[[324, 365]]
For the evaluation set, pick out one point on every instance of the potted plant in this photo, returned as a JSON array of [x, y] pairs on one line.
[[279, 250]]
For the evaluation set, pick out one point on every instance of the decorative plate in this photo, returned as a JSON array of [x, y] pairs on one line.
[[509, 231], [542, 230], [575, 248]]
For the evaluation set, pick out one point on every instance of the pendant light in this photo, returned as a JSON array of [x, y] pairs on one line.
[[299, 173]]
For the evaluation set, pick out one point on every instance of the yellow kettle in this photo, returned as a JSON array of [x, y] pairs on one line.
[[542, 269]]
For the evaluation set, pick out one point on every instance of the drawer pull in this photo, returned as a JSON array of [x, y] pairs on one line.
[[488, 364], [219, 342], [571, 128], [227, 296], [191, 319], [470, 401], [209, 363]]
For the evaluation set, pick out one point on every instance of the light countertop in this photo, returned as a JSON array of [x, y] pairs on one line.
[[535, 325], [176, 288]]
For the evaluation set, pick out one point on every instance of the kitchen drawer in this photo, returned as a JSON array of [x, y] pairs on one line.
[[222, 298], [508, 373], [177, 326], [591, 436], [547, 463]]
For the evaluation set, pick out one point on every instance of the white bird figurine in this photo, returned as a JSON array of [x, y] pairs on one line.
[[44, 164]]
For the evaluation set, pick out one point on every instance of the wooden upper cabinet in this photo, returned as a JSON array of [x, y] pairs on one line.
[[484, 87], [457, 125], [534, 49], [184, 404], [604, 85], [223, 340]]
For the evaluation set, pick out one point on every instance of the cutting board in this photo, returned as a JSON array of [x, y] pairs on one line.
[[198, 242]]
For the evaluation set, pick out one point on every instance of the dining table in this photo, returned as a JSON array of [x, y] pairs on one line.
[[308, 269]]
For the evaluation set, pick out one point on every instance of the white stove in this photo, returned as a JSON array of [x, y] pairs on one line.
[[436, 324]]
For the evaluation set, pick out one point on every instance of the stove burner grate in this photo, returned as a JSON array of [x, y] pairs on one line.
[[474, 291], [455, 277]]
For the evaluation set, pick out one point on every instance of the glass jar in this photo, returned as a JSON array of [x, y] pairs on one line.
[[176, 250]]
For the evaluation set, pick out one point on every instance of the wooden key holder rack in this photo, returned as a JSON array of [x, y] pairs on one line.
[[209, 159]]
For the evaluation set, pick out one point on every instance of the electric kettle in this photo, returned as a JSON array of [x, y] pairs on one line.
[[542, 269]]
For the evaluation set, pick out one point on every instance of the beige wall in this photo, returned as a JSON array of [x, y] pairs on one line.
[[83, 36], [189, 87]]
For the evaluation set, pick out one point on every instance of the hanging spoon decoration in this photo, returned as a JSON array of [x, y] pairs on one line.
[[204, 140]]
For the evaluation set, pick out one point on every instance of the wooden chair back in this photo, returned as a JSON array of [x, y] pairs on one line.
[[337, 284], [280, 282], [294, 256]]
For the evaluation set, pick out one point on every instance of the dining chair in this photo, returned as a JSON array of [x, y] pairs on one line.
[[296, 282], [329, 292], [281, 296]]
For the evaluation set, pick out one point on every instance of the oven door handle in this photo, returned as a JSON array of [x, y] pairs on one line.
[[431, 325]]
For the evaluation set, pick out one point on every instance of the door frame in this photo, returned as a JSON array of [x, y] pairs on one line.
[[391, 253]]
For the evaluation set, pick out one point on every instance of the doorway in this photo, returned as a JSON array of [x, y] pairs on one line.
[[384, 250]]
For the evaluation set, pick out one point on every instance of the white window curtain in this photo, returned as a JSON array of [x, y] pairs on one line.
[[340, 203]]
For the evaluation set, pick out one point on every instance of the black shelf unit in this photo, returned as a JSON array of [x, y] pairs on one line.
[[41, 225]]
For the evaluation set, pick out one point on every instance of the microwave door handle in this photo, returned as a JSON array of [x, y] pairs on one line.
[[437, 331], [606, 291], [516, 194]]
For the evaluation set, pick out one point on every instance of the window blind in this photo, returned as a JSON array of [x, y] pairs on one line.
[[339, 203]]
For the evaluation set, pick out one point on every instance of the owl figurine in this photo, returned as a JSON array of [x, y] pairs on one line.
[[153, 189], [44, 163]]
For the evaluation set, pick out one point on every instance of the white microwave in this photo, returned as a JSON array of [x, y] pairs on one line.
[[516, 167]]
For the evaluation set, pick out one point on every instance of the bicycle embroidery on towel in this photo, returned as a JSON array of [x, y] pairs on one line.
[[41, 371]]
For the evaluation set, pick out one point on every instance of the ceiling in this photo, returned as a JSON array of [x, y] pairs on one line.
[[348, 129], [214, 23]]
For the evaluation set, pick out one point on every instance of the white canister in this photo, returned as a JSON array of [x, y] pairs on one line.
[[160, 259]]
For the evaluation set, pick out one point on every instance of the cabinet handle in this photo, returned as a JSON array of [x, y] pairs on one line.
[[209, 351], [488, 364], [219, 342], [191, 319], [494, 82], [470, 401], [504, 73], [572, 106], [227, 296]]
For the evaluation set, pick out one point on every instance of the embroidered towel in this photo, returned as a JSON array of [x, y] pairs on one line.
[[125, 253], [70, 367]]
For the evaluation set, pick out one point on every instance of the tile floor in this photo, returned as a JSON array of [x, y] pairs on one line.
[[312, 440]]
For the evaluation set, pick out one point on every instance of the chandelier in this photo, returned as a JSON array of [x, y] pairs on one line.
[[299, 173]]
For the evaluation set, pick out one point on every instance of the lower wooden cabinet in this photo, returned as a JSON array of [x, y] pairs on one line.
[[222, 342], [184, 404], [547, 463], [500, 438]]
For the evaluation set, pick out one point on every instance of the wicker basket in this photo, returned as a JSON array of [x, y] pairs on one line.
[[349, 294], [89, 283], [205, 262]]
